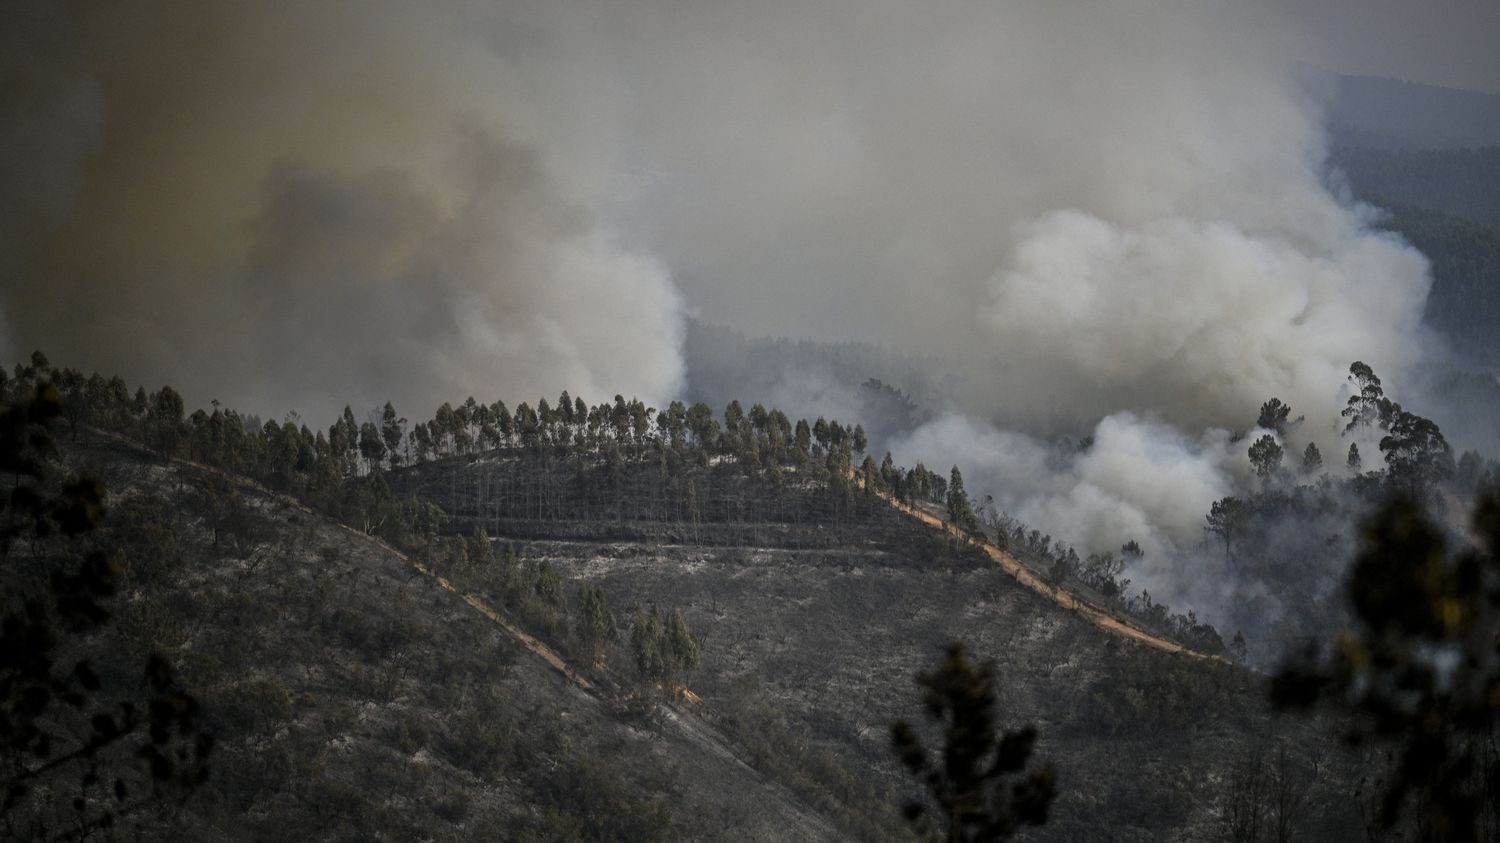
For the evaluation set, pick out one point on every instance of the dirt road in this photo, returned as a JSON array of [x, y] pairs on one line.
[[1062, 597]]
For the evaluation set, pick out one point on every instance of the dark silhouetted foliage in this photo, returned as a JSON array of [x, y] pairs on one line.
[[77, 753], [977, 785], [1420, 673]]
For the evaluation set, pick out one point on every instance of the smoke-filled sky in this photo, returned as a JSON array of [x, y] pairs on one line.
[[294, 205], [1110, 215]]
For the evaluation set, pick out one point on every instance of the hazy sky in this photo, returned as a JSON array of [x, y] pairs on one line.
[[1439, 42]]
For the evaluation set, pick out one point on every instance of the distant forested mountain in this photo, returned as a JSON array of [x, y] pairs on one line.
[[1465, 300], [1430, 156], [1462, 183], [1446, 203], [1393, 114]]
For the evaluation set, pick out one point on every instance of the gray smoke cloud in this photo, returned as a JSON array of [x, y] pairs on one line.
[[1139, 479], [1115, 211], [1115, 219], [290, 205], [1097, 207]]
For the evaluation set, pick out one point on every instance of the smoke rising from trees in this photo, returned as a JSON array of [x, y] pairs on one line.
[[1101, 211]]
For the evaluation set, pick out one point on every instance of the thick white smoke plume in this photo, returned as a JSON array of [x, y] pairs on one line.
[[1201, 320], [1093, 207], [1104, 206], [1139, 480]]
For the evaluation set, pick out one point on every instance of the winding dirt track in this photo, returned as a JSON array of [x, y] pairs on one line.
[[1062, 597]]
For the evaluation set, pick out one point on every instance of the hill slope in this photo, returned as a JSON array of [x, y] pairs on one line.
[[815, 630], [450, 692], [355, 697]]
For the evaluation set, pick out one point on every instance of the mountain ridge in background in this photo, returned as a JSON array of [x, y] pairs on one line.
[[1395, 114]]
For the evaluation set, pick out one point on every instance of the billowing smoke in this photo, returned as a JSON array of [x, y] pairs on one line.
[[1136, 480], [1115, 220], [1094, 206], [1139, 479], [1114, 211], [291, 205], [1089, 207], [1201, 320]]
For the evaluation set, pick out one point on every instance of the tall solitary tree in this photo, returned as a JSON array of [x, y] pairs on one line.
[[1274, 416], [1227, 519], [960, 513], [1368, 405], [390, 432], [977, 785], [1265, 458], [593, 623]]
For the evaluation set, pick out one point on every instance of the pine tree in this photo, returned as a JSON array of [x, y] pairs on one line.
[[647, 645], [1274, 416], [510, 574], [870, 475], [481, 550], [547, 584], [371, 446], [960, 514], [594, 623], [681, 646], [1265, 458], [391, 432], [1227, 519], [802, 439], [970, 793], [1312, 458], [820, 432]]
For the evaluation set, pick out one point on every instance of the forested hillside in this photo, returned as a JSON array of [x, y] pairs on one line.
[[733, 618], [1395, 114], [1460, 183], [1465, 299]]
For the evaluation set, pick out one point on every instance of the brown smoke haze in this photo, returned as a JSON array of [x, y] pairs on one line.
[[297, 205]]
